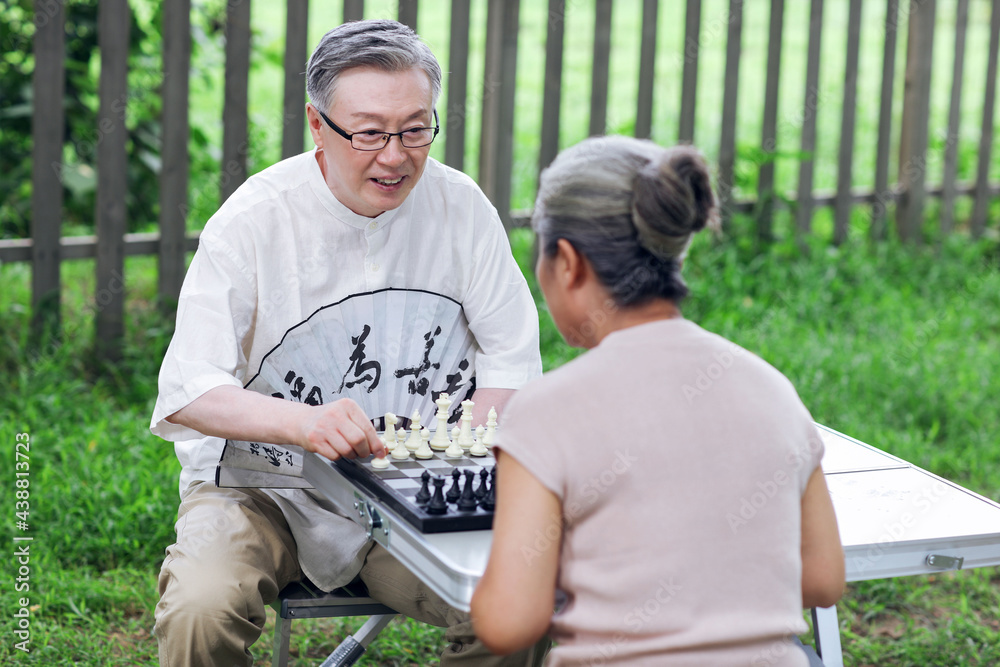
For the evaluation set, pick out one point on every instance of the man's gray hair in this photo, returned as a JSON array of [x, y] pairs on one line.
[[386, 45]]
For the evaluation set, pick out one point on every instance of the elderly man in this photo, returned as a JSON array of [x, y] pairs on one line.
[[365, 211]]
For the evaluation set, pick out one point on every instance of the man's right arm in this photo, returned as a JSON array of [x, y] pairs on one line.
[[336, 430]]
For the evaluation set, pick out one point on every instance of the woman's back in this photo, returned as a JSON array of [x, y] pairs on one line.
[[680, 461]]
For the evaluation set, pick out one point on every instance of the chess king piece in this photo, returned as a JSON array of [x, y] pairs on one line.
[[465, 434], [424, 449], [413, 442], [440, 441]]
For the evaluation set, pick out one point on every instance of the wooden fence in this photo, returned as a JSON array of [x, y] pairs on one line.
[[908, 190]]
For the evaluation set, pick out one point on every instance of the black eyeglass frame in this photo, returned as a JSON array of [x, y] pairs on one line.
[[386, 136]]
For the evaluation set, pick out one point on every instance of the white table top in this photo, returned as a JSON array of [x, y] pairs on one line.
[[892, 516]]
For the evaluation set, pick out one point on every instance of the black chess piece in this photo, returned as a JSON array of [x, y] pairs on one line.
[[456, 487], [437, 505], [424, 494], [481, 489], [489, 501], [467, 502]]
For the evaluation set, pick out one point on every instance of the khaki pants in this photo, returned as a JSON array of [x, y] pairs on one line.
[[234, 553]]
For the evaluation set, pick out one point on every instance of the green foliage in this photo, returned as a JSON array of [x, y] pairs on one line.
[[82, 133], [893, 345]]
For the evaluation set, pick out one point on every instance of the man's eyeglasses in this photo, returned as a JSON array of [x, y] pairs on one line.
[[373, 140]]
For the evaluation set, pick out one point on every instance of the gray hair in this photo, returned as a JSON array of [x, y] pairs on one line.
[[631, 208], [386, 45]]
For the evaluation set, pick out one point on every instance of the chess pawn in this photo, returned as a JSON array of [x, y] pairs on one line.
[[454, 449], [465, 434], [413, 442], [478, 447], [440, 441], [381, 463], [490, 436], [424, 449], [400, 452]]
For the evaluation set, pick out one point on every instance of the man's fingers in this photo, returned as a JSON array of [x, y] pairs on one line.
[[372, 443]]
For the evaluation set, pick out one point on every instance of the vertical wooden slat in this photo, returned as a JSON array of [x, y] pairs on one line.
[[954, 108], [354, 10], [883, 195], [552, 94], [804, 196], [48, 82], [845, 155], [408, 13], [458, 81], [727, 139], [496, 153], [113, 19], [235, 123], [689, 87], [174, 173], [296, 50], [769, 131], [981, 200], [601, 69], [647, 70], [916, 118]]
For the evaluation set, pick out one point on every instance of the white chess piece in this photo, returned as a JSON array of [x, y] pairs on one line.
[[478, 448], [454, 450], [401, 452], [490, 436], [413, 442], [465, 434], [440, 440], [424, 449], [381, 463], [390, 429]]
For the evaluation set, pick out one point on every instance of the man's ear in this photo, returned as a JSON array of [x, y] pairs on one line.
[[315, 124]]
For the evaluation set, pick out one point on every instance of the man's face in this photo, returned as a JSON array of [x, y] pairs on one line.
[[372, 182]]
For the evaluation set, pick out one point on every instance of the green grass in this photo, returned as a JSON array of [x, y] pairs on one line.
[[893, 345]]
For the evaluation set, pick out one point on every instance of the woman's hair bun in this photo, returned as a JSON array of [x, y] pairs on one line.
[[672, 198]]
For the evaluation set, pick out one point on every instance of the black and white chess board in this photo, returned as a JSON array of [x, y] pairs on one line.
[[398, 485]]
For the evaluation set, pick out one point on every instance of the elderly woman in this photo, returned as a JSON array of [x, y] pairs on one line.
[[676, 523]]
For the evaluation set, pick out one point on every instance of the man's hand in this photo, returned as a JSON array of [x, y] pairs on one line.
[[338, 430]]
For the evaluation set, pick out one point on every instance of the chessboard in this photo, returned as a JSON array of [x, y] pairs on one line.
[[398, 485]]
